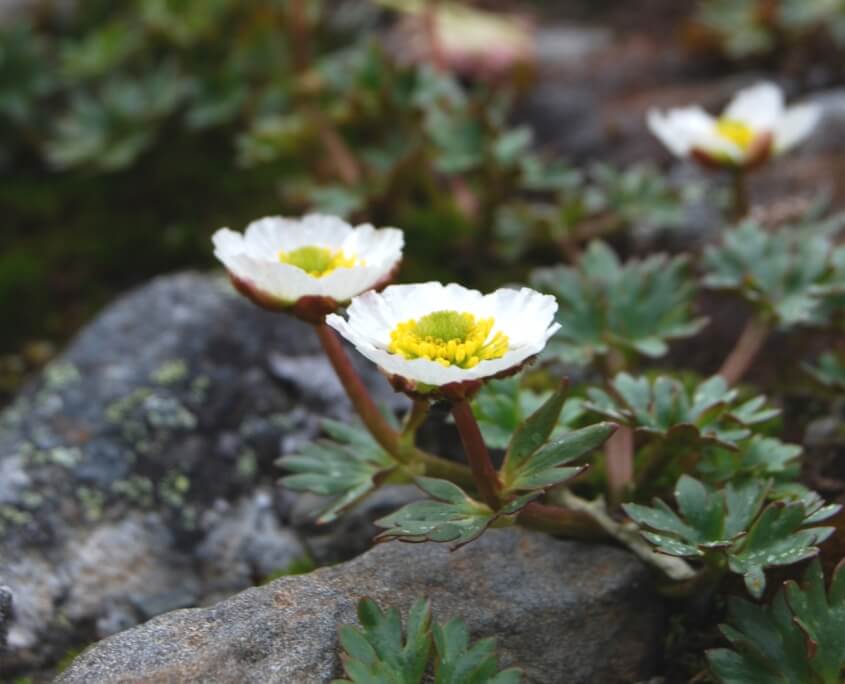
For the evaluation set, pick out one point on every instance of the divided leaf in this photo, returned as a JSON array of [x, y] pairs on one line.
[[502, 405], [778, 537], [449, 516], [799, 638], [708, 415], [786, 274], [830, 371], [732, 522], [760, 457], [532, 462], [460, 663], [346, 467], [604, 305], [379, 652]]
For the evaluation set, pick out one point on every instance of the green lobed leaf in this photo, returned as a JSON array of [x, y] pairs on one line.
[[708, 414], [543, 467], [534, 431], [732, 522], [453, 517], [830, 371], [798, 639], [777, 537], [604, 304], [821, 618], [759, 457], [502, 405], [458, 662], [346, 468], [379, 652], [785, 274]]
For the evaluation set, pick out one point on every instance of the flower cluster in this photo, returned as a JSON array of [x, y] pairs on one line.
[[428, 338], [432, 339]]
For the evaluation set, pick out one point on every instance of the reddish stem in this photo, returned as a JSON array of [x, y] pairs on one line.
[[747, 347], [560, 521], [741, 204], [619, 462], [358, 393], [485, 475]]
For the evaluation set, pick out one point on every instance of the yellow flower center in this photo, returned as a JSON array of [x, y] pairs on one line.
[[450, 338], [739, 133], [318, 261]]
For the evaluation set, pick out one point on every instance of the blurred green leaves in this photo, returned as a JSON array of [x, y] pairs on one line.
[[605, 305], [792, 275], [708, 413]]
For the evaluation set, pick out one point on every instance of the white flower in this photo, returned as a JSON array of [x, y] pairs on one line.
[[279, 262], [434, 335], [754, 125]]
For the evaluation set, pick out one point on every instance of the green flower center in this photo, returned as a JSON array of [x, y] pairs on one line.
[[450, 338], [739, 133], [318, 261]]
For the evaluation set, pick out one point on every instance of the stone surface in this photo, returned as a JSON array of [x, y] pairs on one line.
[[136, 474], [5, 616], [563, 611]]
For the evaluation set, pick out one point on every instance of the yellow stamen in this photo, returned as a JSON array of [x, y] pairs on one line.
[[738, 132], [449, 338], [318, 261]]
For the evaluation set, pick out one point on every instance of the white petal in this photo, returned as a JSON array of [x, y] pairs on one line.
[[525, 316], [798, 122], [683, 130], [760, 106], [254, 256], [661, 125]]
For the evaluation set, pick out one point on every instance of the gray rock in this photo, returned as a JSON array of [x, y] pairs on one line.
[[136, 473], [5, 615], [351, 534], [563, 611]]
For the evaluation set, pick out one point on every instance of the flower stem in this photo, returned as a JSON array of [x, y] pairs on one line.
[[358, 393], [414, 419], [741, 205], [386, 436], [750, 342], [560, 521], [485, 475], [619, 463], [619, 449]]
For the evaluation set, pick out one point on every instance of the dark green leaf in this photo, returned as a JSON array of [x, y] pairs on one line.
[[605, 305], [786, 274], [709, 414], [542, 469], [346, 469], [799, 639], [379, 652], [534, 432], [459, 663], [502, 405], [453, 517]]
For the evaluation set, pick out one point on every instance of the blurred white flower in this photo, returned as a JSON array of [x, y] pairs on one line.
[[755, 125], [462, 38], [309, 265], [429, 336]]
